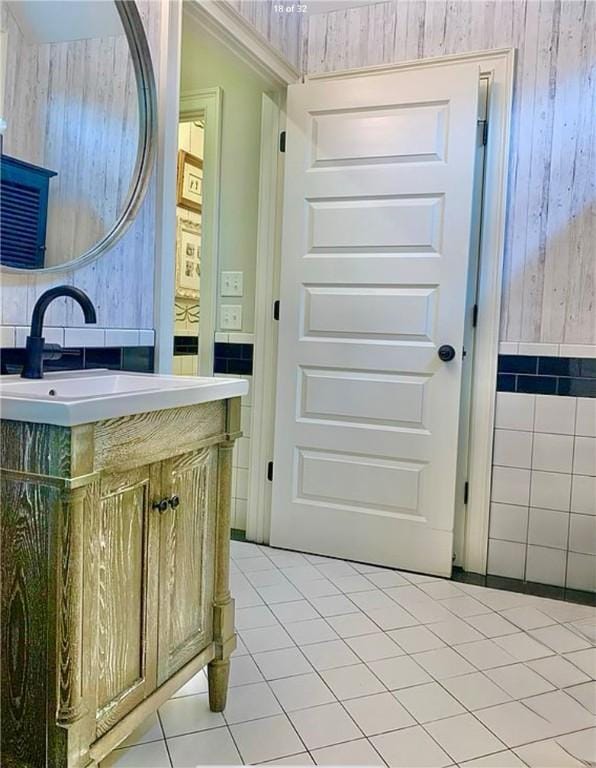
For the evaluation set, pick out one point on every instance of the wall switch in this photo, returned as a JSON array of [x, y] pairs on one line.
[[231, 317], [232, 284]]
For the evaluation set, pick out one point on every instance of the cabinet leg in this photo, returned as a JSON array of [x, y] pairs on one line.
[[218, 673]]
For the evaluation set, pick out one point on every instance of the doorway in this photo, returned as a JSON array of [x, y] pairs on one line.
[[189, 226], [332, 477]]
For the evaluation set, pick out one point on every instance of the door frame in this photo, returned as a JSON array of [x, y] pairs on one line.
[[498, 67], [228, 26], [206, 104]]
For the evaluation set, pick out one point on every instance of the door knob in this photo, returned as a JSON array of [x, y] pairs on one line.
[[161, 505], [173, 501], [446, 353]]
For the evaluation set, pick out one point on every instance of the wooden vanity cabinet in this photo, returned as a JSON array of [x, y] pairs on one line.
[[115, 570]]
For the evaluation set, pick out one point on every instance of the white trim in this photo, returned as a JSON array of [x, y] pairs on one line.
[[224, 22], [165, 207], [258, 514], [207, 104], [499, 67], [484, 58]]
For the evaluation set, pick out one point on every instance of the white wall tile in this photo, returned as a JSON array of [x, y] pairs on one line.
[[177, 365], [241, 483], [221, 338], [583, 494], [508, 522], [555, 414], [514, 411], [21, 333], [542, 349], [512, 448], [241, 505], [585, 421], [582, 534], [577, 350], [242, 452], [581, 572], [584, 456], [146, 337], [7, 336], [546, 566], [506, 558], [552, 453], [122, 337], [245, 420], [551, 490], [511, 486], [52, 335], [508, 347], [84, 337], [548, 528], [241, 338], [247, 398]]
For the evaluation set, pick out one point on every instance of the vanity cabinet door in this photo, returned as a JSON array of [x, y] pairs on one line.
[[186, 569], [121, 592]]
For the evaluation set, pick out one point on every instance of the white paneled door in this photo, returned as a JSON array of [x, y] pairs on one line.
[[375, 255]]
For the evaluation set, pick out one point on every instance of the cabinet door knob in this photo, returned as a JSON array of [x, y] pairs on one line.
[[173, 501], [161, 505]]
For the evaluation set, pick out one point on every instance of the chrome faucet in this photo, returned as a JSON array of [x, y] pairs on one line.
[[36, 350]]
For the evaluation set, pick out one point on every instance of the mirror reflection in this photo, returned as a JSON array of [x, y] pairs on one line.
[[72, 129]]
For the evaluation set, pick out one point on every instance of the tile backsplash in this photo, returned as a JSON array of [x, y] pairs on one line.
[[543, 508], [14, 336]]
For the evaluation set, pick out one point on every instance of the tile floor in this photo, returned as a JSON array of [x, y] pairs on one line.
[[346, 664]]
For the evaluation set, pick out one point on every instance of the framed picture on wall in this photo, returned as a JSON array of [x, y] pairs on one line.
[[190, 181], [188, 259]]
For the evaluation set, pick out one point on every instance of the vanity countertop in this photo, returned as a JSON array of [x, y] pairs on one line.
[[80, 397]]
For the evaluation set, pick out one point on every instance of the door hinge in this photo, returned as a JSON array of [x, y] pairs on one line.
[[466, 491], [270, 471], [482, 132], [474, 315], [276, 309], [282, 141]]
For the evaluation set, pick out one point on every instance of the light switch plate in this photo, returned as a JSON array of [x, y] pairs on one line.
[[231, 317], [232, 284]]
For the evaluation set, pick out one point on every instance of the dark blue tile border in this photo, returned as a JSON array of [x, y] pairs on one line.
[[134, 359], [526, 587], [233, 358], [566, 376], [186, 345]]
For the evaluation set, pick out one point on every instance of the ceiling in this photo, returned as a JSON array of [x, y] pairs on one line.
[[55, 21]]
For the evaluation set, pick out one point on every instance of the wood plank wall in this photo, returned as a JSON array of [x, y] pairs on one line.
[[548, 291], [120, 283], [282, 30]]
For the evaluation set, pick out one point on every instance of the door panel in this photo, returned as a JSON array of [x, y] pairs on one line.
[[123, 616], [381, 134], [186, 559], [375, 253]]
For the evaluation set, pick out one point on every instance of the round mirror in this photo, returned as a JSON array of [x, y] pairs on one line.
[[78, 108]]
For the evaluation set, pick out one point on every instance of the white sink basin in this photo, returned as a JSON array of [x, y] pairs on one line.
[[79, 397]]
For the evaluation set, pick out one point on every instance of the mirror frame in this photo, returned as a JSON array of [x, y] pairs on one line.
[[147, 140]]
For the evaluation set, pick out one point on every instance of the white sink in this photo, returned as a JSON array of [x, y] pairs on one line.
[[79, 397]]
